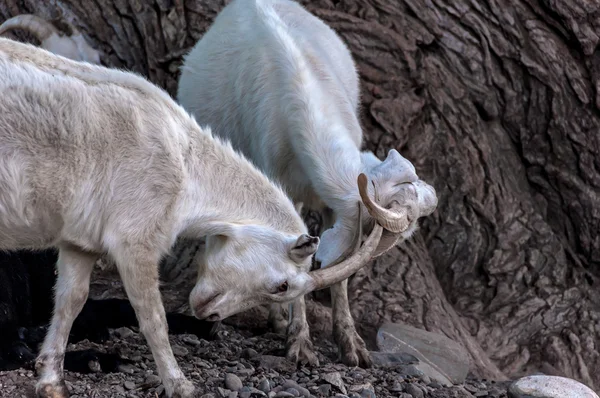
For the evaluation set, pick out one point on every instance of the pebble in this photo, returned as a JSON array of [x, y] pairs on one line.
[[124, 332], [283, 394], [293, 391], [325, 389], [223, 392], [152, 380], [414, 391], [126, 368], [179, 350], [367, 393], [191, 340], [264, 386], [130, 385], [245, 392], [292, 384], [233, 382]]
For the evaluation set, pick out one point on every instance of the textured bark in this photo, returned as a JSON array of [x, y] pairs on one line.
[[497, 105]]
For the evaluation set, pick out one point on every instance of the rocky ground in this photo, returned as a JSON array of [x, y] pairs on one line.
[[240, 364]]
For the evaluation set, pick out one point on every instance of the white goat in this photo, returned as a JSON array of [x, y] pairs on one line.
[[282, 86], [74, 47], [98, 161]]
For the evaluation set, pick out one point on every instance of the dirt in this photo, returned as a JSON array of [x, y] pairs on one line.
[[253, 362]]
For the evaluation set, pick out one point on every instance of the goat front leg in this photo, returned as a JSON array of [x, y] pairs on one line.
[[299, 346], [71, 291], [351, 347], [138, 267]]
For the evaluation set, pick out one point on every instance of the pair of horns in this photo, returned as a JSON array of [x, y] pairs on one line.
[[347, 264], [39, 27], [356, 257]]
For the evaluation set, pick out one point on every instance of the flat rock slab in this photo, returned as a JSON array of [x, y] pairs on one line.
[[445, 356], [549, 387]]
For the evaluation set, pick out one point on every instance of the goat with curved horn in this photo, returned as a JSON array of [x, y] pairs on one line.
[[300, 124]]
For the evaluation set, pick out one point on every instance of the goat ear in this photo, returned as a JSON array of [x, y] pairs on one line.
[[304, 247], [395, 169]]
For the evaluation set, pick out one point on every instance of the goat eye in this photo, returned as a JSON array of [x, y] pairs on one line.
[[283, 287]]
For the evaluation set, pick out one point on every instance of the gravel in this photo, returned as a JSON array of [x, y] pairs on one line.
[[237, 365]]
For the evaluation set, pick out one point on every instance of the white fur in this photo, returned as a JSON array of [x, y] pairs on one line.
[[94, 161], [282, 86]]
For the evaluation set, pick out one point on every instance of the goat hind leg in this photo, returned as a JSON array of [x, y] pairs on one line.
[[71, 291], [299, 346], [351, 347], [138, 268], [277, 319]]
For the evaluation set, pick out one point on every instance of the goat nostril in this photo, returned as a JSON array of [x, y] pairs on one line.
[[212, 317]]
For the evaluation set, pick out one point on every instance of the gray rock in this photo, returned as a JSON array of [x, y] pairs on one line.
[[124, 332], [414, 391], [264, 386], [442, 354], [223, 392], [390, 359], [293, 391], [432, 374], [325, 389], [284, 394], [130, 385], [335, 379], [245, 392], [179, 350], [126, 368], [152, 380], [367, 393], [549, 387], [232, 382], [292, 384]]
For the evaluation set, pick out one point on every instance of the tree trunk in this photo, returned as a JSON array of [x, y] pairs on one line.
[[497, 105]]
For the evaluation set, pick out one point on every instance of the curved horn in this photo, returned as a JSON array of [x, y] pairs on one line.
[[426, 202], [39, 27], [345, 266], [392, 221]]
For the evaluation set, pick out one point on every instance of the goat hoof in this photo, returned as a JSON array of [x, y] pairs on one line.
[[52, 390], [182, 388], [300, 351], [352, 349]]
